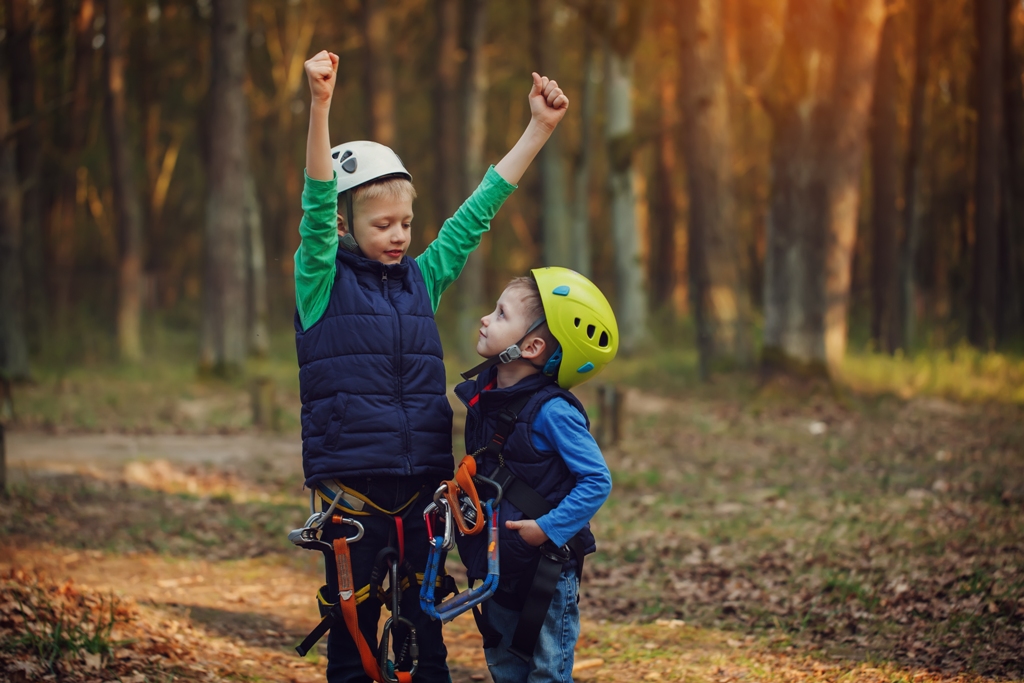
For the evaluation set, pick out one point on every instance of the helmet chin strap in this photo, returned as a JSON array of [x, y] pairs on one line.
[[348, 240], [510, 354]]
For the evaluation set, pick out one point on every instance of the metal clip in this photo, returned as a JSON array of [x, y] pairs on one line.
[[435, 509], [510, 354]]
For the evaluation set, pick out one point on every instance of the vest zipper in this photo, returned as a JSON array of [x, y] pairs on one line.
[[397, 326]]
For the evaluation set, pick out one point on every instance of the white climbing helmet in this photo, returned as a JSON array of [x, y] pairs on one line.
[[361, 161]]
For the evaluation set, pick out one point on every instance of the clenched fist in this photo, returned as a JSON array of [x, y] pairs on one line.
[[322, 72], [548, 103]]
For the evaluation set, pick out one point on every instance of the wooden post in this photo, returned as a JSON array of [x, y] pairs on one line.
[[6, 413], [264, 413], [609, 412]]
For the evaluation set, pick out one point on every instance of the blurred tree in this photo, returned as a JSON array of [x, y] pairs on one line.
[[554, 196], [717, 290], [912, 177], [624, 34], [223, 336], [447, 176], [664, 211], [1011, 244], [21, 17], [13, 345], [378, 74], [127, 203], [820, 104], [595, 27], [286, 32], [256, 270], [471, 285], [991, 32], [75, 78], [885, 194]]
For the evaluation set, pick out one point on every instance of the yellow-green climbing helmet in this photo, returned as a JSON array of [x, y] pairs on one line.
[[581, 320]]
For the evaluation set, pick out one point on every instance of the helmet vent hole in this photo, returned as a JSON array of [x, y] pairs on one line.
[[335, 154], [590, 331], [603, 340], [576, 322]]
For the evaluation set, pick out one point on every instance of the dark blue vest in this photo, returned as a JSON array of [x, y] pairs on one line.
[[371, 378], [546, 473]]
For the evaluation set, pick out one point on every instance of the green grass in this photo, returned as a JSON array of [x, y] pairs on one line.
[[61, 629]]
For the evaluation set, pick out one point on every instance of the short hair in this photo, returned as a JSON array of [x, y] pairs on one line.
[[390, 187], [534, 306]]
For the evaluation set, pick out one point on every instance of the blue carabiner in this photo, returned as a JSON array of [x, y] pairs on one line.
[[467, 600]]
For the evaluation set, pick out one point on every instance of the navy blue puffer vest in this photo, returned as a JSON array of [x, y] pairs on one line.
[[371, 378], [546, 473]]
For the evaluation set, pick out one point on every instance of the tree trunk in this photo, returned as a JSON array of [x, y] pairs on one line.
[[885, 210], [378, 73], [664, 212], [223, 345], [472, 285], [554, 198], [447, 178], [820, 104], [581, 248], [991, 33], [127, 204], [621, 140], [259, 333], [13, 347], [716, 284], [24, 104], [65, 209], [1011, 248], [913, 171]]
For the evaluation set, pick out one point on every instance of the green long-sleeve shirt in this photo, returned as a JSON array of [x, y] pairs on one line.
[[441, 262]]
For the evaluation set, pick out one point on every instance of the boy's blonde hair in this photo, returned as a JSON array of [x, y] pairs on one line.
[[534, 306], [393, 187]]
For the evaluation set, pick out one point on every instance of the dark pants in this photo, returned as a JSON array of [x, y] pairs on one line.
[[344, 664]]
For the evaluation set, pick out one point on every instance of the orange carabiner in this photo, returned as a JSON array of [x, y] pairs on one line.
[[464, 482]]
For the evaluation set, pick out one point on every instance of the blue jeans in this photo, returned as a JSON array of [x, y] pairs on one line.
[[554, 654]]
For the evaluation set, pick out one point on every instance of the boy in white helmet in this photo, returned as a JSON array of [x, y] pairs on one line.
[[376, 422]]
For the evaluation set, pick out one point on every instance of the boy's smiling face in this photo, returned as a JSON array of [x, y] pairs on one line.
[[383, 227], [506, 325]]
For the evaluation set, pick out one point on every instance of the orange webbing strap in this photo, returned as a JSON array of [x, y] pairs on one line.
[[464, 481], [403, 676], [346, 598]]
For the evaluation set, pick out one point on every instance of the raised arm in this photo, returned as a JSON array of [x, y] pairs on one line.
[[548, 105], [318, 230], [322, 72], [444, 258]]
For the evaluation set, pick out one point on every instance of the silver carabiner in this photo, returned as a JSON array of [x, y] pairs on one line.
[[441, 490], [357, 525], [435, 507]]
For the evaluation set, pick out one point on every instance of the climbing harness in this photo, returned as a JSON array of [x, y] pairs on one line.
[[390, 562], [534, 597], [470, 518]]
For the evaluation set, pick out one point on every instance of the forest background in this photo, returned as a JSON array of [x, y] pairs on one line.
[[807, 214], [788, 178]]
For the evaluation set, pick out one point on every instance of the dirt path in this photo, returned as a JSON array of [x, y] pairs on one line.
[[34, 449], [251, 612]]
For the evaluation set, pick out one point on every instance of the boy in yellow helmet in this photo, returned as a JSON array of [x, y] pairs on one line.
[[548, 332]]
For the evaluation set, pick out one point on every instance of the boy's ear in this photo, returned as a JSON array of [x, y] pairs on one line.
[[533, 347], [341, 225]]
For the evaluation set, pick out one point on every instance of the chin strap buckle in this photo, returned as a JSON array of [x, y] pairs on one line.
[[510, 354]]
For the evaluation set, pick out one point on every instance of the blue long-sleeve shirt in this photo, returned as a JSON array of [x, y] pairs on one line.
[[560, 428]]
